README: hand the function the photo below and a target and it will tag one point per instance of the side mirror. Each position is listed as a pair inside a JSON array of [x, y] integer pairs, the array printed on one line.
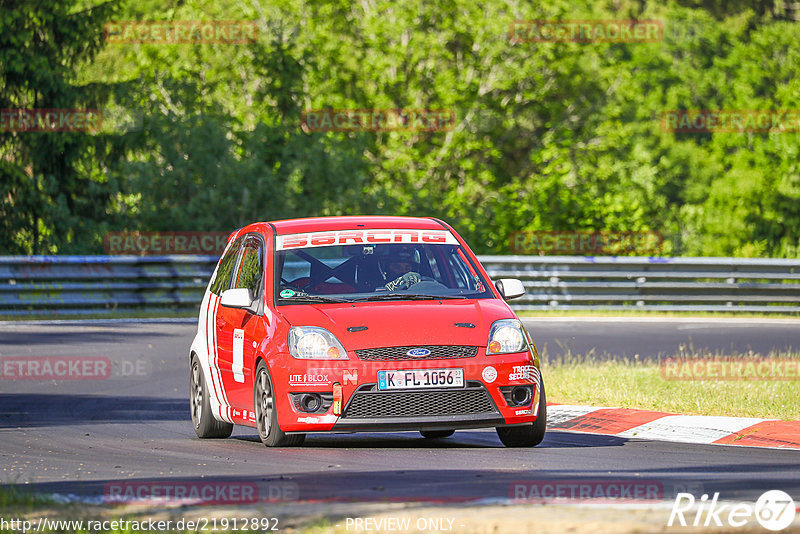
[[510, 288], [241, 297]]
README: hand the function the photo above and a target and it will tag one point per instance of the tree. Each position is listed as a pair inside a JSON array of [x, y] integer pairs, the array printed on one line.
[[52, 197]]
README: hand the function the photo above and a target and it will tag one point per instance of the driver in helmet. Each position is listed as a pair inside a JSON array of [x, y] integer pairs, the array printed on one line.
[[399, 269]]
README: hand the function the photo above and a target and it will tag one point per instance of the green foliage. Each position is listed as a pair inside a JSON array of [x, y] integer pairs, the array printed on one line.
[[547, 136], [51, 193]]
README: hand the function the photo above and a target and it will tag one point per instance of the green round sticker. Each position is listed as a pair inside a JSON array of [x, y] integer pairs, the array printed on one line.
[[287, 293]]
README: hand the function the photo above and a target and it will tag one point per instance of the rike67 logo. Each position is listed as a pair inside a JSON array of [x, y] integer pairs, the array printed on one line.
[[774, 510]]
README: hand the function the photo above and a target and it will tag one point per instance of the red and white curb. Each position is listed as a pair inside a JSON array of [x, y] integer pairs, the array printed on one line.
[[663, 426]]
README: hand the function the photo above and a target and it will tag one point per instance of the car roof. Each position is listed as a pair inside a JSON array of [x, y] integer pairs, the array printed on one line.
[[354, 222]]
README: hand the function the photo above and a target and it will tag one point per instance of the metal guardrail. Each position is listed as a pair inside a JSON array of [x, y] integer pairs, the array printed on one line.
[[107, 285], [666, 284], [69, 285]]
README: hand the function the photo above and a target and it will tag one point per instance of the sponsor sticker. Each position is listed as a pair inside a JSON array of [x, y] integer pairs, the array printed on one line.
[[359, 237], [318, 419], [489, 374], [523, 372], [350, 376], [309, 379], [238, 355]]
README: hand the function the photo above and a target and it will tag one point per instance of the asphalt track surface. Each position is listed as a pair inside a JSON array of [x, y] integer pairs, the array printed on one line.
[[78, 437]]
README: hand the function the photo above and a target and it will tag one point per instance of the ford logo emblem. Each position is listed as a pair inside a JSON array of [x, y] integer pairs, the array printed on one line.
[[418, 353]]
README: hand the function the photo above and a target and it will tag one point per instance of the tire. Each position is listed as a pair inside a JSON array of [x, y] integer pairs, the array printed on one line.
[[205, 426], [435, 434], [529, 435], [267, 415]]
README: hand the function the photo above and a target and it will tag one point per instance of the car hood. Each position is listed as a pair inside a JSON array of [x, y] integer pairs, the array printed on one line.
[[392, 324]]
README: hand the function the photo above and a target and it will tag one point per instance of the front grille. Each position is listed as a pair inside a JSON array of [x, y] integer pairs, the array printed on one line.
[[438, 352], [368, 403]]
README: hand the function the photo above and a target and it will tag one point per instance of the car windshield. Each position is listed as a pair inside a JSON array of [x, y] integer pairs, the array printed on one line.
[[379, 271]]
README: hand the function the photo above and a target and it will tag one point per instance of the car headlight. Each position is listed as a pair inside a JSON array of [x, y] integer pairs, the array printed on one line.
[[314, 343], [506, 336]]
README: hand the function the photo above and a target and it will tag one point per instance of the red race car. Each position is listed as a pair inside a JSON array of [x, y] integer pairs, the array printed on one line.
[[344, 324]]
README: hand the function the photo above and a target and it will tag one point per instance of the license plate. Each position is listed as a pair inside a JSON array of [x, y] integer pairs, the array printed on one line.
[[421, 378]]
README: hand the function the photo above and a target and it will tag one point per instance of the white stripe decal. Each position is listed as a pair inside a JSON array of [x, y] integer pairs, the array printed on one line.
[[209, 351], [215, 371], [226, 403], [211, 325]]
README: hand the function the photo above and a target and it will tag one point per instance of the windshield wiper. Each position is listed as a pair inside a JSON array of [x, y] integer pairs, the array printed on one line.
[[312, 298], [408, 296]]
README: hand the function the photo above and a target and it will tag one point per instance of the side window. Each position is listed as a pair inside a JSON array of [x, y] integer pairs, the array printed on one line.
[[225, 269], [251, 269]]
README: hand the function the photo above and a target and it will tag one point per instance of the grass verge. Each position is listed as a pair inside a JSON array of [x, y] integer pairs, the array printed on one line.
[[642, 385]]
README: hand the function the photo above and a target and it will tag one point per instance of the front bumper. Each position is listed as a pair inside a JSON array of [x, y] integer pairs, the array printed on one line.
[[479, 404], [428, 409]]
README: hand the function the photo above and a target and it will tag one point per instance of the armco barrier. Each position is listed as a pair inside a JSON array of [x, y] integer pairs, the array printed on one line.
[[59, 285], [108, 285], [658, 283]]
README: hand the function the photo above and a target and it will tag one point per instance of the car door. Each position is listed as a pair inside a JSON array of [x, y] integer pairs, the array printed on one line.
[[222, 281], [237, 328]]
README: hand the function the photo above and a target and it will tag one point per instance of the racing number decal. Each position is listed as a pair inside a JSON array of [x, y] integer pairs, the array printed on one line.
[[238, 355]]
